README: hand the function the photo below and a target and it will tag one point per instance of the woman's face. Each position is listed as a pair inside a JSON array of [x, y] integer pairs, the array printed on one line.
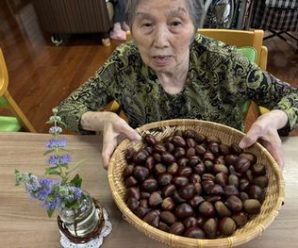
[[163, 31]]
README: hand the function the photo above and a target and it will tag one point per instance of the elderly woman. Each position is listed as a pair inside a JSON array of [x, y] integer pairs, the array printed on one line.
[[169, 71]]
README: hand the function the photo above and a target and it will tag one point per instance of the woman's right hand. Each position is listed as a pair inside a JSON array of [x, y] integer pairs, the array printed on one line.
[[113, 128], [264, 129]]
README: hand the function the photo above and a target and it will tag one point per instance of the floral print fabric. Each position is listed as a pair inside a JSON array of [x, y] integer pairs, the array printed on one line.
[[219, 81]]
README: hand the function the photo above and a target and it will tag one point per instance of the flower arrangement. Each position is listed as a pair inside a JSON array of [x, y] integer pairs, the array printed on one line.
[[64, 191]]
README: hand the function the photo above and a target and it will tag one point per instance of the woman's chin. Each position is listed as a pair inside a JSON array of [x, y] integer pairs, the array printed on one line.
[[164, 67]]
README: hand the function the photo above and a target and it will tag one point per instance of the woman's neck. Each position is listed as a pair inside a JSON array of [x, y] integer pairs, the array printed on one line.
[[173, 82]]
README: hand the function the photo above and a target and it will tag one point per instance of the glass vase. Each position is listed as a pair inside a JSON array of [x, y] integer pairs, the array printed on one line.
[[81, 224]]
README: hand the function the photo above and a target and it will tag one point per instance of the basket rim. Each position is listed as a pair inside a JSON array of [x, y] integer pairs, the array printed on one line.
[[176, 240]]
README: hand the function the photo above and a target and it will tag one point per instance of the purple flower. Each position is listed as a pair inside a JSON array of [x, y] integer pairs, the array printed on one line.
[[51, 203], [40, 189], [55, 160], [75, 192], [55, 130], [51, 192], [32, 184], [46, 187], [56, 143], [70, 193]]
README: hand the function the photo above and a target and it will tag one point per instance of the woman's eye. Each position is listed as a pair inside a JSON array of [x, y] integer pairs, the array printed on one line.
[[175, 23], [146, 24]]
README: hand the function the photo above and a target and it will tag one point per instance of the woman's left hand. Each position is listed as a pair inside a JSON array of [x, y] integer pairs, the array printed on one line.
[[264, 129]]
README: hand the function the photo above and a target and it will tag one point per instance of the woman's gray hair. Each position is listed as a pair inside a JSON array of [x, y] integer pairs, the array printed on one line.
[[195, 8]]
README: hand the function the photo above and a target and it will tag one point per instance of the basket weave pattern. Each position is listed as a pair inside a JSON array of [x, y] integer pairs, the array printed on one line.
[[255, 227]]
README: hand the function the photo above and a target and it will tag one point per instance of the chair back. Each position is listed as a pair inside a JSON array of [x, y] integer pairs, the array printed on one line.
[[241, 38], [19, 120]]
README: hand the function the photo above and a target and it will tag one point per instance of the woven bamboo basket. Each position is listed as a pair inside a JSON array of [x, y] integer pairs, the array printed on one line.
[[255, 227]]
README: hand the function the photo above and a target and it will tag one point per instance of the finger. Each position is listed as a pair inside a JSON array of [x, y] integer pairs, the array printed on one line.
[[109, 145], [253, 134], [107, 152], [128, 131], [248, 140]]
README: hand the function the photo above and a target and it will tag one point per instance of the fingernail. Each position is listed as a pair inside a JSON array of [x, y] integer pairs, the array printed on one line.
[[138, 136], [241, 144]]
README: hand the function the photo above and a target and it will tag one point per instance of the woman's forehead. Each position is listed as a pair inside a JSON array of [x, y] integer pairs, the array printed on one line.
[[169, 7], [157, 4]]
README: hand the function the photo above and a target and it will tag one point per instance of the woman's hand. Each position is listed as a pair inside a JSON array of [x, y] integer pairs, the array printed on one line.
[[264, 129], [113, 128]]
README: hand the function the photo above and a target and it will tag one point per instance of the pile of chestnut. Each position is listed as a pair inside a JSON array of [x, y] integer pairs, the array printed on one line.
[[192, 185]]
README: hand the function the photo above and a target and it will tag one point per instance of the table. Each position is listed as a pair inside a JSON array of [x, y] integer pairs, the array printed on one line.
[[24, 223]]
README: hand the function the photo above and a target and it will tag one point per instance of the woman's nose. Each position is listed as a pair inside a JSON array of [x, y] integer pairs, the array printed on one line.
[[161, 37]]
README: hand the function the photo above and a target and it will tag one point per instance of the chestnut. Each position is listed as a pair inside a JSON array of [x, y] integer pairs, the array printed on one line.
[[179, 141], [168, 204], [167, 158], [195, 232], [227, 226], [222, 209], [192, 185], [140, 156], [190, 152], [210, 228], [206, 209], [252, 206], [187, 192], [168, 217], [190, 222], [155, 199], [177, 228], [150, 185], [140, 173], [234, 203], [190, 142], [184, 210]]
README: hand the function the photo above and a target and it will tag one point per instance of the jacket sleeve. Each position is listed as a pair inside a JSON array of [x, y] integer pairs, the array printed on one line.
[[90, 96]]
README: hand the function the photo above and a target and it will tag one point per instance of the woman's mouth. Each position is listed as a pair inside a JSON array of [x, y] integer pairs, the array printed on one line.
[[161, 60]]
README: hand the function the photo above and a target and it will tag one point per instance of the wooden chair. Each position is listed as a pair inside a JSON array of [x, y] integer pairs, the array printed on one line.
[[18, 121], [241, 38]]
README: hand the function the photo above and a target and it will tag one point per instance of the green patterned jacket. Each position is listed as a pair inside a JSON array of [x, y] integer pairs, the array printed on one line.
[[219, 81]]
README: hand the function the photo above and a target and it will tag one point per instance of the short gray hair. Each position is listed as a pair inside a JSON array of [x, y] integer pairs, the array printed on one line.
[[195, 8]]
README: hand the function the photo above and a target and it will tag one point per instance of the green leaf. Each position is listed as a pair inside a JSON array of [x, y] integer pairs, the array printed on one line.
[[76, 181], [77, 165], [62, 123], [50, 212], [48, 151], [18, 177], [73, 204], [76, 205], [63, 149], [53, 171]]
